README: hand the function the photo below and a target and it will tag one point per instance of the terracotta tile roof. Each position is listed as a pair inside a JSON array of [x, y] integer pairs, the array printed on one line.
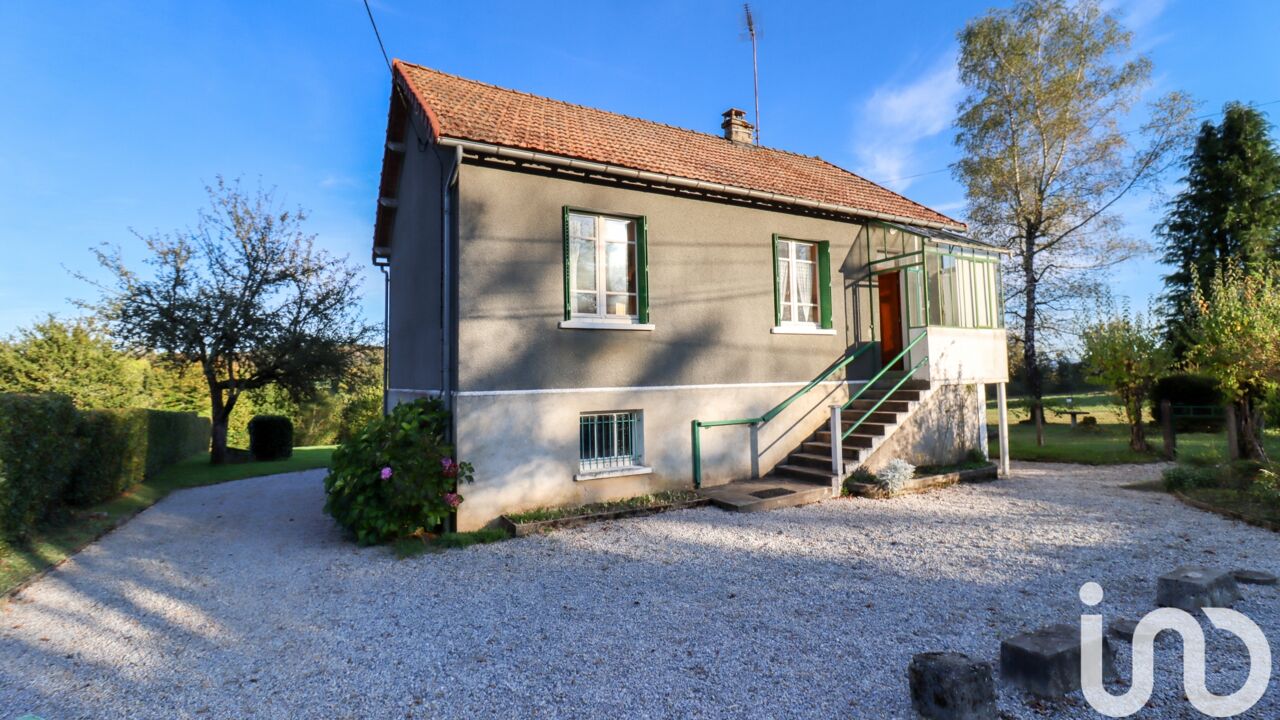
[[469, 110]]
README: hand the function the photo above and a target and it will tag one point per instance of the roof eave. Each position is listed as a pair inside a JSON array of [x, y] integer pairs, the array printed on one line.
[[644, 175]]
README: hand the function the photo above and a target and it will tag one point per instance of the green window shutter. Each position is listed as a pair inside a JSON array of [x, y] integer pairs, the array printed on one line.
[[777, 297], [565, 227], [824, 283], [642, 269]]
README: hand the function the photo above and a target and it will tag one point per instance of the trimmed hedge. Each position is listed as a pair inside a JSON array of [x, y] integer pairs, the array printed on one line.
[[1188, 389], [38, 448], [112, 456], [270, 437], [174, 436], [53, 455]]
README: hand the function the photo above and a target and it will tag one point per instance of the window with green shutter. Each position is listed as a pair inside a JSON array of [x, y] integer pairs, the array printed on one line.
[[801, 284], [606, 270]]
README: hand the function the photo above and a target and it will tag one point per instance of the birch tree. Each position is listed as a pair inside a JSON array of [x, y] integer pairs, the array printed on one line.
[[1045, 159]]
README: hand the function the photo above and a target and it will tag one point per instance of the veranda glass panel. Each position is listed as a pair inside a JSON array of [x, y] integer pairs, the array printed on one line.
[[915, 297], [964, 285], [963, 291], [982, 292]]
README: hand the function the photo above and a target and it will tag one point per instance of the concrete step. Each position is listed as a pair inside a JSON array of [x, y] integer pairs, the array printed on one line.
[[813, 460], [893, 406], [854, 441], [867, 428], [824, 449], [768, 493], [882, 418], [899, 394], [804, 473]]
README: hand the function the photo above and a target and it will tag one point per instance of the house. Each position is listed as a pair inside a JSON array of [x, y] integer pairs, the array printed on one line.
[[613, 306]]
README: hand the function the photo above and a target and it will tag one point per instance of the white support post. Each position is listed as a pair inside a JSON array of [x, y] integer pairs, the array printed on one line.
[[1003, 404], [837, 452], [983, 442]]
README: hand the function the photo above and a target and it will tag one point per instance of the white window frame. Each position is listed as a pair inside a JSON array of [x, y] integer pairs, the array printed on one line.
[[617, 465], [602, 317], [792, 261]]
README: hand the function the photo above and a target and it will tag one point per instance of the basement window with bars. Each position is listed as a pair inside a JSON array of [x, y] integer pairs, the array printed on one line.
[[610, 441]]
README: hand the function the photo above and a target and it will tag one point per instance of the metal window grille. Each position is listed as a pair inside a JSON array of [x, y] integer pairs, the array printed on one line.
[[609, 440]]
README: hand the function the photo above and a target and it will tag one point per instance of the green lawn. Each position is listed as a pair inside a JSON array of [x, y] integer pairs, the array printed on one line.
[[1108, 443], [1236, 501], [67, 535]]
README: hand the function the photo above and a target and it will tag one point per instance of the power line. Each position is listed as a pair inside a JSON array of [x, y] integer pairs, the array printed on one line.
[[369, 11], [1127, 132], [395, 88]]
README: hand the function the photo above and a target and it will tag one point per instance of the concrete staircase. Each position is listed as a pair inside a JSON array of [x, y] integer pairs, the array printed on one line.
[[805, 475]]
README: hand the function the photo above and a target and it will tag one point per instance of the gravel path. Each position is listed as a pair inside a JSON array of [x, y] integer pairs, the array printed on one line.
[[242, 600]]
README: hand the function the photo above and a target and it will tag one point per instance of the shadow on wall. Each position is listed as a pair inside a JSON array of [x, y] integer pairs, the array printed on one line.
[[512, 302], [941, 432]]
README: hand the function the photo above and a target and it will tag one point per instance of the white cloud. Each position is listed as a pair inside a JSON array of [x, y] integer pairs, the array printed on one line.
[[1136, 14], [897, 117], [334, 180]]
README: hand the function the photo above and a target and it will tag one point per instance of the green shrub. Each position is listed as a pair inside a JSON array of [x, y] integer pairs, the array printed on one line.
[[112, 455], [1265, 487], [174, 436], [397, 475], [270, 437], [1188, 389], [895, 474], [861, 476], [38, 447], [358, 413], [1190, 477]]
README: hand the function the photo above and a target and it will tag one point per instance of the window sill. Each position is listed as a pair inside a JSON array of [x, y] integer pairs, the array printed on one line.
[[801, 330], [613, 473], [602, 325]]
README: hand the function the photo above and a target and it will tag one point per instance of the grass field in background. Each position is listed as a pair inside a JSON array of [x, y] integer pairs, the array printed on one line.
[[65, 536], [1105, 444]]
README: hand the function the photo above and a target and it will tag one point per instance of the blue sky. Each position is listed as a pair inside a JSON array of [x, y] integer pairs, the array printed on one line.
[[116, 115]]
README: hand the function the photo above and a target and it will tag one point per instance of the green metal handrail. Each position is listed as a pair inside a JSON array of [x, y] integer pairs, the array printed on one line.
[[874, 378], [697, 425], [887, 395]]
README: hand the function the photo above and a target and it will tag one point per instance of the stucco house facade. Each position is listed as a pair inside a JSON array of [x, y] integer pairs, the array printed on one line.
[[613, 307]]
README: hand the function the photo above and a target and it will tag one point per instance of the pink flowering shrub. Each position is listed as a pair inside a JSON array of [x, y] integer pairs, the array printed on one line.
[[397, 476]]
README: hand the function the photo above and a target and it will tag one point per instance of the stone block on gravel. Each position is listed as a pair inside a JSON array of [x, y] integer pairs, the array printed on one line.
[[1253, 577], [1191, 588], [951, 686], [1046, 662]]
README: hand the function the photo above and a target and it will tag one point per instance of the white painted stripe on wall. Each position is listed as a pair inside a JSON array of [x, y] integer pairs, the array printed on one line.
[[643, 388], [415, 391]]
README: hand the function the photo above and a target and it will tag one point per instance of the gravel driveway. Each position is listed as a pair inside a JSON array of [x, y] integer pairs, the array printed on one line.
[[242, 600]]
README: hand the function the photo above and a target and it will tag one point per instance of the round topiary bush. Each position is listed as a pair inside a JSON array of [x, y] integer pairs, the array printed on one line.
[[270, 437], [397, 475]]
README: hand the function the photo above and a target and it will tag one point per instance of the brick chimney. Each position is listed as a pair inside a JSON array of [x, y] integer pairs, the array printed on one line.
[[736, 127]]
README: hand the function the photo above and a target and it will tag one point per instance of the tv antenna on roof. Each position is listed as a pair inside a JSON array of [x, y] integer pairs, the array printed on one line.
[[755, 69]]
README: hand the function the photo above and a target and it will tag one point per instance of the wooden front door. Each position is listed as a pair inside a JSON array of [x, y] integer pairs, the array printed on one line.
[[891, 342]]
